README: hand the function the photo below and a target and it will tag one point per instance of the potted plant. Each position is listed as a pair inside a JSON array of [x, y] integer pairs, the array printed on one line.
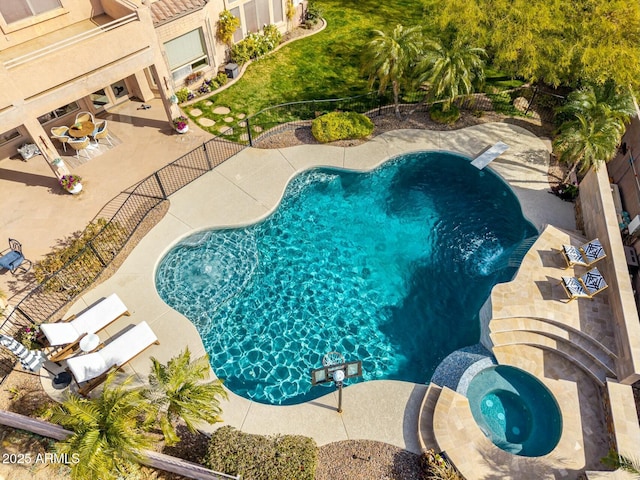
[[71, 183], [30, 336], [180, 124]]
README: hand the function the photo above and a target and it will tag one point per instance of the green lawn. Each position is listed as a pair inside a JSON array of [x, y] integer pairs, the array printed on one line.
[[325, 65]]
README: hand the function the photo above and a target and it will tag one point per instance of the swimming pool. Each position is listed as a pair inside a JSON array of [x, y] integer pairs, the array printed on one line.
[[389, 267], [515, 411]]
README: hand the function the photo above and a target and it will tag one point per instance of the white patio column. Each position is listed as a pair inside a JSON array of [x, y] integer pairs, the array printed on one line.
[[40, 137]]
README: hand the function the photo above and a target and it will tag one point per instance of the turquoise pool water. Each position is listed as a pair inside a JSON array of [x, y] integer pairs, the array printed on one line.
[[515, 411], [388, 267]]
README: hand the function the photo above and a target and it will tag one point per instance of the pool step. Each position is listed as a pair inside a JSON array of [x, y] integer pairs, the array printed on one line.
[[580, 358], [426, 435], [571, 343]]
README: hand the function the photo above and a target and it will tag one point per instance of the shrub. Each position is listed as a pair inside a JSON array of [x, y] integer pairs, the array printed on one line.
[[256, 45], [435, 467], [183, 94], [341, 126], [439, 116], [314, 13], [272, 36], [222, 78], [106, 240], [227, 25], [256, 457]]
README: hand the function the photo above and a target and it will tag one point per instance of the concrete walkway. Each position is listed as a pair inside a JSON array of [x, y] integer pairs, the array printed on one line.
[[247, 188]]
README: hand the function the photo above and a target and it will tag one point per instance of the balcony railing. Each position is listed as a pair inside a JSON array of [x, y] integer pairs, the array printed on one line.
[[67, 42]]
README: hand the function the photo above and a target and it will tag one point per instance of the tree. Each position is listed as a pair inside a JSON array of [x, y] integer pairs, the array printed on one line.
[[177, 391], [451, 68], [559, 43], [587, 142], [600, 100], [390, 59], [109, 431]]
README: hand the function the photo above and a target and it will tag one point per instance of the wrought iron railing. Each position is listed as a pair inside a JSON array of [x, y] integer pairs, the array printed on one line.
[[120, 219]]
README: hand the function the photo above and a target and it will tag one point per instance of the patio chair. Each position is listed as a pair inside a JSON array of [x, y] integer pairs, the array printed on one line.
[[101, 131], [92, 369], [60, 134], [79, 144], [585, 256], [85, 117], [12, 258], [70, 331], [585, 286]]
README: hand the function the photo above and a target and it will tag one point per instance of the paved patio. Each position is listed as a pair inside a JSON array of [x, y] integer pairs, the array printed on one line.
[[37, 212], [248, 187]]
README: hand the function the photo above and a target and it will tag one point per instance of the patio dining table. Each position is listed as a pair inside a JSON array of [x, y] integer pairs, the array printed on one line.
[[81, 129]]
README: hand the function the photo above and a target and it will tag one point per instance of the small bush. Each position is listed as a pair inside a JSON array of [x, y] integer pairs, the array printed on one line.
[[222, 78], [435, 467], [256, 457], [183, 94], [256, 45], [341, 126], [440, 116], [106, 239], [314, 13]]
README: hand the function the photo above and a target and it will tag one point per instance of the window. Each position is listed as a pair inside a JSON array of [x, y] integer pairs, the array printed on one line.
[[58, 112], [237, 35], [15, 10], [256, 15], [8, 136], [186, 53], [277, 11]]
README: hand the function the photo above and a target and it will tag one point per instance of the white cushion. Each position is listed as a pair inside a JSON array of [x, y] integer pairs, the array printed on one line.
[[59, 333], [90, 321], [117, 352]]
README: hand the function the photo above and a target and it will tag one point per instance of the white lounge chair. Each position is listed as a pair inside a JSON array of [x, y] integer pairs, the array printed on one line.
[[71, 331], [92, 368], [586, 255], [586, 286]]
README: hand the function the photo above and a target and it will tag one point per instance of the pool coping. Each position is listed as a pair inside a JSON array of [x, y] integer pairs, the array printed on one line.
[[247, 188]]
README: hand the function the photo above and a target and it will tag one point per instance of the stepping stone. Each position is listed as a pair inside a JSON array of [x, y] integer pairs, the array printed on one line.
[[257, 128], [225, 130], [244, 137], [208, 103], [242, 124], [196, 112], [206, 122], [222, 110], [240, 116], [228, 119]]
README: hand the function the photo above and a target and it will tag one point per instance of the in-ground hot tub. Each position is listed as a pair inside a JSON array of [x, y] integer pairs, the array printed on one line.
[[515, 411]]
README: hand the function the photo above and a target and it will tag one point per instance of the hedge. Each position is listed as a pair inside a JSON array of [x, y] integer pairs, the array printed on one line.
[[341, 126], [256, 457]]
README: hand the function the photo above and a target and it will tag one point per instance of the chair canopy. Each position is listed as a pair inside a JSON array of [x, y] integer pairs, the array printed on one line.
[[31, 360]]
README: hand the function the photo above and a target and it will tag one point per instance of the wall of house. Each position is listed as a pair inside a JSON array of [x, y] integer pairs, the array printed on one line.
[[71, 12], [600, 221], [204, 18]]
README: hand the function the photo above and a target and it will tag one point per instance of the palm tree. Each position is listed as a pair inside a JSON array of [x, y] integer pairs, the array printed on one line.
[[451, 69], [177, 390], [588, 142], [109, 431], [600, 100], [390, 59]]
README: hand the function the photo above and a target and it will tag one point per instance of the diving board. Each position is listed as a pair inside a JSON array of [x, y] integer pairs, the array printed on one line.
[[490, 155]]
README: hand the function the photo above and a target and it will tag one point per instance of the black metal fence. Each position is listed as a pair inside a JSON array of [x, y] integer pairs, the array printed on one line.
[[124, 215]]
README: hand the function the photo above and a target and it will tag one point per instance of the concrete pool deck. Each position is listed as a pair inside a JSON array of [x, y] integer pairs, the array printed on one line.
[[247, 188]]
